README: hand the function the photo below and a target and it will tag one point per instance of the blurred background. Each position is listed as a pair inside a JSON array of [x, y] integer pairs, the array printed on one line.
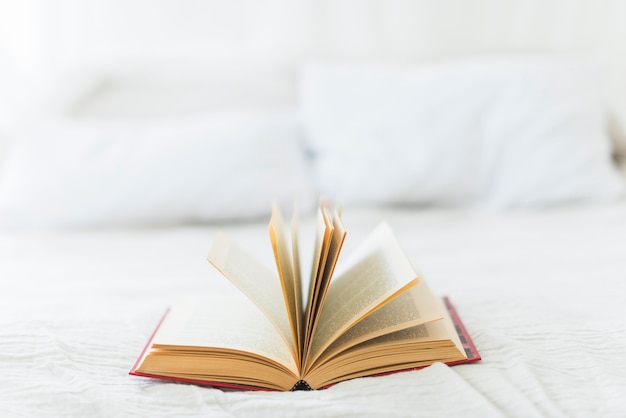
[[56, 41], [145, 59]]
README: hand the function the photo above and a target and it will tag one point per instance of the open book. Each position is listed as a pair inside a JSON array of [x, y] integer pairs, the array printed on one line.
[[375, 316]]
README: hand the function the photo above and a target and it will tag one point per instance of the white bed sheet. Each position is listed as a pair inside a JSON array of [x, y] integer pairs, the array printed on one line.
[[541, 293]]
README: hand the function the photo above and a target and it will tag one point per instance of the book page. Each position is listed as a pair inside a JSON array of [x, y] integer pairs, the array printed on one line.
[[336, 242], [338, 235], [427, 333], [295, 252], [408, 348], [376, 273], [416, 306], [284, 259], [323, 237], [255, 280], [222, 321]]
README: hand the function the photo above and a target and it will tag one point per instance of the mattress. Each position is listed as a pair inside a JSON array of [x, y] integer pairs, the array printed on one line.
[[541, 293]]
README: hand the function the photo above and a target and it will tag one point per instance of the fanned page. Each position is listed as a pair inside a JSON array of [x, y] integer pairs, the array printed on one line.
[[338, 235], [412, 347], [295, 253], [286, 265], [375, 274], [255, 280], [323, 236], [409, 346], [415, 307]]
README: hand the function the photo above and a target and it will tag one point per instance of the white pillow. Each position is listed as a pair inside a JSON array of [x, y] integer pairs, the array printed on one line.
[[188, 87], [494, 132], [211, 167]]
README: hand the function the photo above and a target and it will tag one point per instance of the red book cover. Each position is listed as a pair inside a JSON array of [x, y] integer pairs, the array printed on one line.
[[466, 341]]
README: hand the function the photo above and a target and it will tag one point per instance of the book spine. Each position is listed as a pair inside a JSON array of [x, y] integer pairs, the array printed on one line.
[[301, 385]]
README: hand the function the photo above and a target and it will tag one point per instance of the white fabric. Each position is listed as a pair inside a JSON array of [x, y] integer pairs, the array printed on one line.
[[217, 166], [498, 132], [540, 293]]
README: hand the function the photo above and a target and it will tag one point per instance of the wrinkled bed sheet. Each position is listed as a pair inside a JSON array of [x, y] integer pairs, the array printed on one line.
[[542, 293]]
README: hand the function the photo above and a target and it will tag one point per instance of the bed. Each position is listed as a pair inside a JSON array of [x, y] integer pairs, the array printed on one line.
[[486, 134], [541, 294]]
